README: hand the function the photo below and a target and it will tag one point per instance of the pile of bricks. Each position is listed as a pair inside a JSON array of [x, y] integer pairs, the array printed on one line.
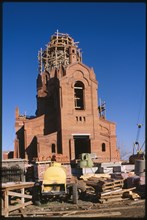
[[60, 158], [53, 157]]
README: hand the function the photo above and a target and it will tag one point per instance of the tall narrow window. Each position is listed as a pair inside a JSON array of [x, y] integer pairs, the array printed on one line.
[[53, 148], [79, 95], [103, 147]]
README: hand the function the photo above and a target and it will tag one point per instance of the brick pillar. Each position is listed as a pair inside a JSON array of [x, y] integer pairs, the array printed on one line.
[[25, 144], [110, 149], [16, 149], [72, 149], [38, 149]]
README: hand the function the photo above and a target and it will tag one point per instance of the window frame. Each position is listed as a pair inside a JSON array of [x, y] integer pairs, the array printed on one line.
[[79, 95]]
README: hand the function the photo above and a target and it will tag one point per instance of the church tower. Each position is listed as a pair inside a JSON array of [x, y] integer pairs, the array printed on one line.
[[68, 120]]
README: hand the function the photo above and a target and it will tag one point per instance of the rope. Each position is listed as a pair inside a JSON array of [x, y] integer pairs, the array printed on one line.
[[142, 145]]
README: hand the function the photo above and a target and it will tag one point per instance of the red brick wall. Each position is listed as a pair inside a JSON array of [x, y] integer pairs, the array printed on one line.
[[61, 120]]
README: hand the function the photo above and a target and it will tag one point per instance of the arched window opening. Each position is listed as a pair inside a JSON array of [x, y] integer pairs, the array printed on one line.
[[79, 95], [103, 147], [53, 148]]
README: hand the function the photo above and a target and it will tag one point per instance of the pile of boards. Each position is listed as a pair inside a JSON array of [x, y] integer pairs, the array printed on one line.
[[108, 189]]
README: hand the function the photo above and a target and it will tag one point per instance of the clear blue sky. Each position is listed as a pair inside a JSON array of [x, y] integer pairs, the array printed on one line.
[[112, 37]]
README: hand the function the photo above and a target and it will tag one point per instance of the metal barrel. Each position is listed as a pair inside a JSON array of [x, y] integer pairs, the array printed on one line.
[[139, 167]]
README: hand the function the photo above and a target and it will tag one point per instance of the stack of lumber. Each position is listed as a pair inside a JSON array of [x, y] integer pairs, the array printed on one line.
[[105, 184], [108, 189], [118, 195], [86, 177], [115, 195]]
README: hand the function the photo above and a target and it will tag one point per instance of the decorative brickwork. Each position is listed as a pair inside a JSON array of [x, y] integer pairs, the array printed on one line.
[[68, 121]]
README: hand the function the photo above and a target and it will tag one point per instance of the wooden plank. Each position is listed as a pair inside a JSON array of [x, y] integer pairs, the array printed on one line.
[[110, 200], [106, 185], [6, 203], [19, 206], [22, 198], [119, 191], [111, 187], [112, 192], [89, 215], [10, 193], [70, 213], [111, 181], [102, 177], [13, 186], [96, 176], [137, 202], [111, 196], [129, 189]]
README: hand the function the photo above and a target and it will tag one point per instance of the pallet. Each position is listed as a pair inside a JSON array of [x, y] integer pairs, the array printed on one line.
[[109, 190], [104, 185], [96, 176], [119, 194]]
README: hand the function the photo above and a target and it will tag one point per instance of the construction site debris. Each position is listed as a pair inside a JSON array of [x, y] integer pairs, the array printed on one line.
[[105, 184], [97, 175], [107, 189], [119, 194], [53, 157], [127, 208], [131, 195]]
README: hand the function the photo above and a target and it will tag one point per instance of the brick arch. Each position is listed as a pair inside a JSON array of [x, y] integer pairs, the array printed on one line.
[[79, 65], [83, 80], [45, 77], [78, 74]]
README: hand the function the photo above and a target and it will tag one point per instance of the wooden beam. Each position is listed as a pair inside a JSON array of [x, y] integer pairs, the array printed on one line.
[[19, 195], [19, 206]]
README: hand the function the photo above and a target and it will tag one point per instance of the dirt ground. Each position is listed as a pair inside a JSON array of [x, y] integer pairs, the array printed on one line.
[[126, 208]]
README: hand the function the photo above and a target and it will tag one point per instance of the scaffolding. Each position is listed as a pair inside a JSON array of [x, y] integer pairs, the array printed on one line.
[[57, 52]]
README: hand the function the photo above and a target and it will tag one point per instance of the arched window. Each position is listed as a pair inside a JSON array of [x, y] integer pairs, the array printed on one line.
[[103, 147], [79, 95], [53, 148]]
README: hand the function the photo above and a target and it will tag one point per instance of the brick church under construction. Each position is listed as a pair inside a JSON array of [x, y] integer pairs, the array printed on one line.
[[68, 120]]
